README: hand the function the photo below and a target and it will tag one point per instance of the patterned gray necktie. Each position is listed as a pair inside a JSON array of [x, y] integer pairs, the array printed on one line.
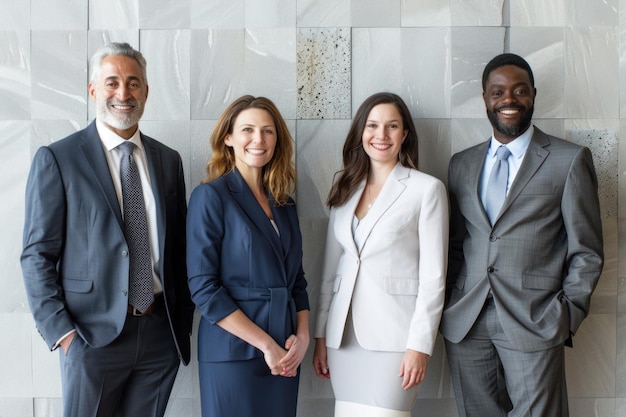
[[141, 294], [496, 187]]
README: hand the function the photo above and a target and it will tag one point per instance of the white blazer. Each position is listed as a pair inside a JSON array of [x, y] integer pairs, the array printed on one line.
[[392, 272]]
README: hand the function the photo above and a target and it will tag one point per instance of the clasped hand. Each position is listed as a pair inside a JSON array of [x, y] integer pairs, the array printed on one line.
[[285, 361]]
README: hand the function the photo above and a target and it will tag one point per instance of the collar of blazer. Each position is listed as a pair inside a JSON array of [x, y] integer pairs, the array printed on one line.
[[95, 158], [392, 189], [246, 200]]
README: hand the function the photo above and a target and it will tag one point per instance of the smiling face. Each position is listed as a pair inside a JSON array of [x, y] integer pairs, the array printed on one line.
[[383, 134], [120, 93], [253, 139], [509, 99]]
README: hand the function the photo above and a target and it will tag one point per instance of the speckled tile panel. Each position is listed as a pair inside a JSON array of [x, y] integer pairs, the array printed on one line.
[[601, 137], [323, 73]]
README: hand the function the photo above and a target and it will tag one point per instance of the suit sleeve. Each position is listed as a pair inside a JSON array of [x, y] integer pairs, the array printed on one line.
[[43, 242], [205, 232], [581, 218], [433, 253]]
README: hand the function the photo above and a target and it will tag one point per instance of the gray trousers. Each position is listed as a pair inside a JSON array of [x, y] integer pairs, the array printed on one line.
[[493, 379]]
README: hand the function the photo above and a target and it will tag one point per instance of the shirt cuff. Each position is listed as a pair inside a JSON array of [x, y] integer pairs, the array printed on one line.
[[56, 345]]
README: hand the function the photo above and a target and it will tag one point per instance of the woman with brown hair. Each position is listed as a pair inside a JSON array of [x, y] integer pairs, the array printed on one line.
[[244, 261], [383, 279]]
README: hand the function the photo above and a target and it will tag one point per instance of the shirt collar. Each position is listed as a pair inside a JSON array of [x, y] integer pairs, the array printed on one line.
[[111, 140], [517, 147]]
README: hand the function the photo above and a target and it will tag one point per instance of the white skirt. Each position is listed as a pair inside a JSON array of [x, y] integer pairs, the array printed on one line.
[[365, 382]]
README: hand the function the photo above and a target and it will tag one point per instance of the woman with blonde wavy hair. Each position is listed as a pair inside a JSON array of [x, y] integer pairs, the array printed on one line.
[[244, 261]]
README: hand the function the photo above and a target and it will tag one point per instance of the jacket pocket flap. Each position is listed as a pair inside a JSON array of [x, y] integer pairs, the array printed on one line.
[[77, 285], [542, 282], [401, 286], [337, 284]]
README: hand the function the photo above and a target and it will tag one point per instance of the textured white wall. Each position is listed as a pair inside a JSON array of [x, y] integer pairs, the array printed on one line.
[[317, 59]]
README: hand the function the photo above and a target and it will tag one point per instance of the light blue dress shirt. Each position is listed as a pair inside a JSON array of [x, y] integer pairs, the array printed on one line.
[[518, 149]]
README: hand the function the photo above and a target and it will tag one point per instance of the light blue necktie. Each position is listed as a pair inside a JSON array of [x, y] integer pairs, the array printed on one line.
[[141, 294], [496, 186]]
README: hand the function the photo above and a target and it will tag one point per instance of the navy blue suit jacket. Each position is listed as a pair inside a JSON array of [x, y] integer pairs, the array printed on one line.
[[75, 258], [236, 260]]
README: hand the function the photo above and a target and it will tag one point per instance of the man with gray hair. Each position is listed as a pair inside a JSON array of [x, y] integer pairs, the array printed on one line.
[[104, 251]]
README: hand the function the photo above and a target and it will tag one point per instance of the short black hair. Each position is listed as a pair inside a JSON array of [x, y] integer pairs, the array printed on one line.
[[507, 59]]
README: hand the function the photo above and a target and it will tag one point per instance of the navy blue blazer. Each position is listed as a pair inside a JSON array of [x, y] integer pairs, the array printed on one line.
[[236, 260], [75, 257]]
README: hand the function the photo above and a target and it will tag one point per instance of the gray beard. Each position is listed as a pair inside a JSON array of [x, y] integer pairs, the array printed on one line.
[[120, 122]]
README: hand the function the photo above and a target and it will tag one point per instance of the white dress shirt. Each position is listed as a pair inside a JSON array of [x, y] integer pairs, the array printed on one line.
[[110, 142]]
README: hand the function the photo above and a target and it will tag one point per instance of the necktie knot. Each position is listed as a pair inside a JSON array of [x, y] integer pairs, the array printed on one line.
[[127, 148], [502, 153]]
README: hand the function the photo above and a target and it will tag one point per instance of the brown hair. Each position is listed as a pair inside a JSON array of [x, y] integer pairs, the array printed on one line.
[[356, 162], [279, 174]]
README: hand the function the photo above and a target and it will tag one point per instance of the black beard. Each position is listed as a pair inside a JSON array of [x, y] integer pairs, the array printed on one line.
[[514, 130]]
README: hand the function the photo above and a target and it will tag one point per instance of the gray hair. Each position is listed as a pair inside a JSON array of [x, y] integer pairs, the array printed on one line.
[[115, 49]]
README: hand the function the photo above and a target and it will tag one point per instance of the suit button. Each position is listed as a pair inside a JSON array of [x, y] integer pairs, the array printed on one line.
[[493, 238], [490, 269]]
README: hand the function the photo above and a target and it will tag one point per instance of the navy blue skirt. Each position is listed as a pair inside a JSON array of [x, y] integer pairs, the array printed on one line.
[[246, 389]]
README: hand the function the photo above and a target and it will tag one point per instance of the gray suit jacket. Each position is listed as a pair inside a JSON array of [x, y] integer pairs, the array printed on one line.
[[543, 256], [75, 258]]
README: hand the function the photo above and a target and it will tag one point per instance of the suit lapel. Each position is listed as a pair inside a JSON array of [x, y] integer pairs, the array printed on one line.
[[392, 189], [344, 217], [282, 222], [473, 169], [244, 197], [94, 155]]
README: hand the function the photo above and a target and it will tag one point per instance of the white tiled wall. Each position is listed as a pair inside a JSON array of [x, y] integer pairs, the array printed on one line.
[[317, 59]]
